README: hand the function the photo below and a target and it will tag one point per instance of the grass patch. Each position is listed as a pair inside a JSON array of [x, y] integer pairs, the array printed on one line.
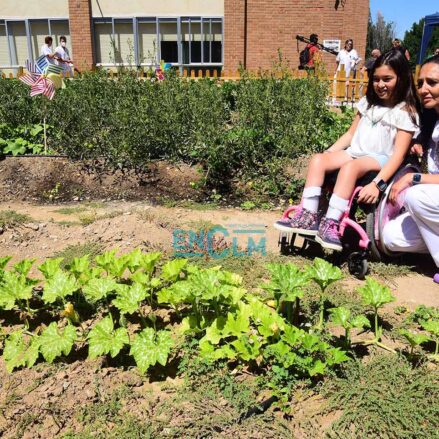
[[87, 218], [67, 223], [108, 419], [386, 398], [388, 271], [217, 403], [94, 204], [78, 250], [11, 218], [70, 210], [111, 214]]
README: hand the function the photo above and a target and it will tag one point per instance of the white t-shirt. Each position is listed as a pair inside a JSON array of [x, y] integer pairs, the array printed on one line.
[[433, 151], [376, 131], [348, 59], [46, 50], [63, 53]]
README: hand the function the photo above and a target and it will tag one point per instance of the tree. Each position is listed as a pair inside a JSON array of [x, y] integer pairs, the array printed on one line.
[[379, 34], [413, 38]]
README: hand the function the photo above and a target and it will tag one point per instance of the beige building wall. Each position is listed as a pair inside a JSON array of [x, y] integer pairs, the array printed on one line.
[[162, 8], [10, 9]]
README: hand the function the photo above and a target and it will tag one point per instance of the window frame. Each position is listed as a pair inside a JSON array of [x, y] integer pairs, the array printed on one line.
[[157, 20]]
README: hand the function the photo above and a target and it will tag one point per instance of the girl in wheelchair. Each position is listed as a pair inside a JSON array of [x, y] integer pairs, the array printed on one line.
[[377, 140]]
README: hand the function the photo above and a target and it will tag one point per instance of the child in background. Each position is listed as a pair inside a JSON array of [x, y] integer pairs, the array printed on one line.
[[377, 140]]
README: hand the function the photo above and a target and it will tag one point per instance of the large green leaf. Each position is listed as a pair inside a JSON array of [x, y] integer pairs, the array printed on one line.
[[149, 261], [375, 294], [129, 297], [80, 265], [414, 338], [98, 288], [286, 281], [431, 326], [4, 261], [172, 269], [104, 339], [13, 287], [237, 324], [23, 267], [60, 285], [341, 316], [19, 352], [55, 341], [106, 259], [323, 273], [50, 266], [149, 348]]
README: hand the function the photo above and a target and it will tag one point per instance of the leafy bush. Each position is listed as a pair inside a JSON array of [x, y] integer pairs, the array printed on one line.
[[250, 129]]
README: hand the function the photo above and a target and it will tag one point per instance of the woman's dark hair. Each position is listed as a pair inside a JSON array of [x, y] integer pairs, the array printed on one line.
[[48, 40], [348, 41], [434, 59], [405, 89]]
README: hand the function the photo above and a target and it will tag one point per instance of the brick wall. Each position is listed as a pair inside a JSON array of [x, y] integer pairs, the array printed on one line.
[[81, 33], [273, 25]]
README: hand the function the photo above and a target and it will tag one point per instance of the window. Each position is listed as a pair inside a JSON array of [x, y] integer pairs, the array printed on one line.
[[124, 42], [22, 40], [147, 34], [18, 42], [144, 41], [216, 42], [4, 50], [168, 41], [39, 31], [103, 40]]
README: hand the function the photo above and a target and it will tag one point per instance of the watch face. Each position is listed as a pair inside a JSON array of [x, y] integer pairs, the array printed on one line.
[[416, 178], [382, 185]]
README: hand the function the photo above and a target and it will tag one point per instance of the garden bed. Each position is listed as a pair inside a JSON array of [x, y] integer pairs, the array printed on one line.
[[78, 397]]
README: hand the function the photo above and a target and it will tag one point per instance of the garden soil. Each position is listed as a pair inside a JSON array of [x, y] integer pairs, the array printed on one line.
[[116, 212]]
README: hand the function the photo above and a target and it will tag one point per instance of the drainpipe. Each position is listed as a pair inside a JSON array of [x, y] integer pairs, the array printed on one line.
[[245, 34]]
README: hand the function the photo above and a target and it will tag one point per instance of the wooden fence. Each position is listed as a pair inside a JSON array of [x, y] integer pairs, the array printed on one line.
[[342, 90]]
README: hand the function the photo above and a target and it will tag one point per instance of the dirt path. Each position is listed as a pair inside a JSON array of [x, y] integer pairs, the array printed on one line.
[[127, 225]]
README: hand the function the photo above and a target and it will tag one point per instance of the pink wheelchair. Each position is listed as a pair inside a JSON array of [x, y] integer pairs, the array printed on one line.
[[361, 240]]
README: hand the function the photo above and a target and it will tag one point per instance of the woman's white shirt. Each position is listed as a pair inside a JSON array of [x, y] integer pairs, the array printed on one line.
[[348, 59], [377, 129], [46, 50], [433, 151], [63, 53]]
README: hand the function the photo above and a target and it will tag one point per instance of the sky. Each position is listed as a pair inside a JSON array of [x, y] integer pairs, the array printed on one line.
[[403, 12]]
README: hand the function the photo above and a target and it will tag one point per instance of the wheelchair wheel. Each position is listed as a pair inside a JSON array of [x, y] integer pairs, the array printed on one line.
[[370, 230], [357, 264], [284, 245]]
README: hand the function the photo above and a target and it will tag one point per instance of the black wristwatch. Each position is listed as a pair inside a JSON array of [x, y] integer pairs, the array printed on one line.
[[416, 179], [380, 184]]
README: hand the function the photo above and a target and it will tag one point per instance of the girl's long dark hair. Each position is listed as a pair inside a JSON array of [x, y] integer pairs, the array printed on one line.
[[405, 87], [428, 117]]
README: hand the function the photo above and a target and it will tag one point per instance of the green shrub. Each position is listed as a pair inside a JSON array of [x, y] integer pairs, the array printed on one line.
[[248, 129]]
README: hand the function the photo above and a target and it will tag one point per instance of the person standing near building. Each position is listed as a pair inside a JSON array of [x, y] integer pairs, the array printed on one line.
[[370, 62], [398, 46], [348, 57], [46, 50], [63, 56], [313, 51]]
